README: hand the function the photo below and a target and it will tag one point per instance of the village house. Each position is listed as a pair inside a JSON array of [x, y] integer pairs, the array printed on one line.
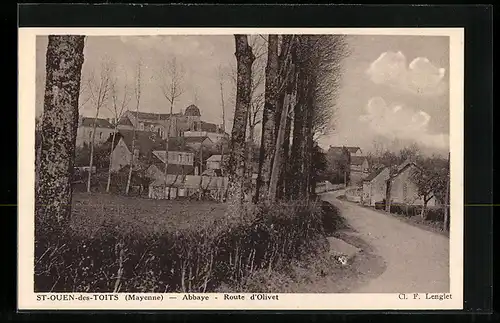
[[149, 149], [358, 169], [187, 123], [215, 161], [355, 151], [375, 186], [403, 188], [103, 130]]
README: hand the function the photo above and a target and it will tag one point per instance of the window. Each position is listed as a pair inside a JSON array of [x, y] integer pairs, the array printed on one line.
[[90, 134], [100, 135]]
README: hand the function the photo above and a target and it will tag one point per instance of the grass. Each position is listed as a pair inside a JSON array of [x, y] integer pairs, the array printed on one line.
[[132, 244], [140, 215]]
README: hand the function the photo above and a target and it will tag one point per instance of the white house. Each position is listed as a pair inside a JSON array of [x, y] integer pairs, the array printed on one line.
[[103, 130]]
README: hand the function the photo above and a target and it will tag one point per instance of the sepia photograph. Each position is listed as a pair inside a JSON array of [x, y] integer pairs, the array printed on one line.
[[237, 164]]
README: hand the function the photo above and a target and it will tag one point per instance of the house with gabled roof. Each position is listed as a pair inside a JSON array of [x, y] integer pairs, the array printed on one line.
[[103, 130], [358, 169], [375, 186], [187, 124], [404, 190], [148, 148]]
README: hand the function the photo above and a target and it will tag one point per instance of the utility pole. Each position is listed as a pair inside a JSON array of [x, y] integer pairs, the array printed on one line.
[[446, 218]]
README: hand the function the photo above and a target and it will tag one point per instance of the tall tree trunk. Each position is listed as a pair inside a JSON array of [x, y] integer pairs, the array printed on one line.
[[244, 59], [283, 138], [111, 159], [249, 161], [285, 169], [92, 143], [278, 156], [268, 137], [297, 157], [59, 127], [308, 132]]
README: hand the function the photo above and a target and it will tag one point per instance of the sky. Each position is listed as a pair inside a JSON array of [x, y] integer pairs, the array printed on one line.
[[393, 88]]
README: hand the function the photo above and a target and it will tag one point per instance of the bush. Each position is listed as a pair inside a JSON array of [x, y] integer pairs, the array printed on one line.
[[195, 259]]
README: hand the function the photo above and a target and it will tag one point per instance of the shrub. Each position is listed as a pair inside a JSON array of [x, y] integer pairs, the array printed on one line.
[[194, 259]]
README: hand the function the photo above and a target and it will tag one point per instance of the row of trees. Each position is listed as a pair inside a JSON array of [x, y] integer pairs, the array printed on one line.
[[301, 77], [302, 74]]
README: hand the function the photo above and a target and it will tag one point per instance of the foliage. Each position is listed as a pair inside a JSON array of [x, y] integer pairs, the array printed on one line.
[[101, 155], [432, 177], [193, 259]]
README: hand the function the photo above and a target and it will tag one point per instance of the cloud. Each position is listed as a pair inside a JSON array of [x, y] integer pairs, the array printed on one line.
[[419, 77], [395, 121]]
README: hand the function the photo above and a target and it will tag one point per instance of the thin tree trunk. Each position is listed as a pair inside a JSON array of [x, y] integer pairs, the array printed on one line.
[[223, 128], [244, 58], [166, 146], [446, 217], [111, 159], [92, 141], [388, 195], [129, 179], [59, 127], [268, 137]]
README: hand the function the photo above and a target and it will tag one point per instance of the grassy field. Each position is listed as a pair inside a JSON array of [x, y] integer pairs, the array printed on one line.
[[95, 211]]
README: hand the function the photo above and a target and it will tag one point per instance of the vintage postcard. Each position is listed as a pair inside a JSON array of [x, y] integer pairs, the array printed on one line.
[[255, 169]]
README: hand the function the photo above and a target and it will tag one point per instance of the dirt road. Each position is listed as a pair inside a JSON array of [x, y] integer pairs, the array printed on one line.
[[415, 260]]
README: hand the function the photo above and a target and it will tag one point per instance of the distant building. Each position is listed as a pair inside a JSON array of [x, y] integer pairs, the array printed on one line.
[[355, 151], [215, 161], [186, 124], [359, 169], [103, 130], [375, 186], [148, 149], [403, 188]]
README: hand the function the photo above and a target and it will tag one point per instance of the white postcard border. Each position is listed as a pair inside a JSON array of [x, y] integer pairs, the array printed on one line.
[[27, 299]]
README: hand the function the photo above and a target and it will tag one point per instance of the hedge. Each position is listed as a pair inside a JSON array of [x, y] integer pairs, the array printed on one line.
[[191, 260]]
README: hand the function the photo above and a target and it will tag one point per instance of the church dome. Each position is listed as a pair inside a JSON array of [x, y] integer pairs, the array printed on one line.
[[192, 111]]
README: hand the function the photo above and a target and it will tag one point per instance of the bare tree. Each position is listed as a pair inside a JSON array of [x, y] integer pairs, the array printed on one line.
[[245, 58], [59, 126], [137, 93], [170, 81], [220, 74], [99, 90], [119, 103]]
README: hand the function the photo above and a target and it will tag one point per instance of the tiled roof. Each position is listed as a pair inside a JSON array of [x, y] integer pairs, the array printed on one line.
[[100, 123], [192, 110], [146, 141], [152, 116], [374, 174], [195, 139], [357, 160], [125, 121], [209, 127], [353, 149]]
